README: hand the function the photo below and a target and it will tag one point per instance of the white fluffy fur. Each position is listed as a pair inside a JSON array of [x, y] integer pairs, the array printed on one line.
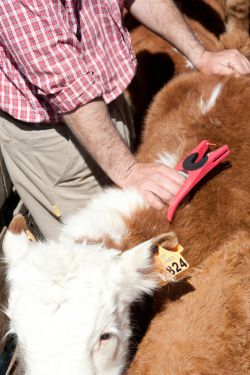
[[189, 64], [170, 160], [104, 215], [207, 106], [63, 296]]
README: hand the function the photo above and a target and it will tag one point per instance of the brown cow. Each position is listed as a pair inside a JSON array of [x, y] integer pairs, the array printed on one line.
[[197, 335], [206, 331], [237, 14]]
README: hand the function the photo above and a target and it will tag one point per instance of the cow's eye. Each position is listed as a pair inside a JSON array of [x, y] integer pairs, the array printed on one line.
[[106, 336]]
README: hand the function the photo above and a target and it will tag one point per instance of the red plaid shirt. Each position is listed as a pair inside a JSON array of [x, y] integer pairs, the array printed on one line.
[[56, 55]]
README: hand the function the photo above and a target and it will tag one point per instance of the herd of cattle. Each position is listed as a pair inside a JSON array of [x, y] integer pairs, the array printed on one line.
[[69, 301]]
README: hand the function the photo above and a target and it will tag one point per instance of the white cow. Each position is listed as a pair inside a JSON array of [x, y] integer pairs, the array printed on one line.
[[69, 300]]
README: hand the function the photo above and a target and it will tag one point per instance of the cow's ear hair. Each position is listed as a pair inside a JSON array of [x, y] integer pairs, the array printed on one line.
[[139, 266], [16, 241]]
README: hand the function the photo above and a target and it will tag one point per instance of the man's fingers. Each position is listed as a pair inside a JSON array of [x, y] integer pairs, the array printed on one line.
[[153, 200], [170, 185], [165, 184], [224, 63], [164, 194], [235, 60], [157, 182], [246, 63], [240, 65], [172, 174], [224, 70]]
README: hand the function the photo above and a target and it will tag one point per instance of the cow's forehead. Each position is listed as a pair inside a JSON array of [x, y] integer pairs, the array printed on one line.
[[91, 315], [60, 299], [66, 280], [61, 263]]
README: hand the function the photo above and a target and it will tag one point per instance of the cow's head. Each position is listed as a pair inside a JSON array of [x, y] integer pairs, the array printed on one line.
[[69, 302]]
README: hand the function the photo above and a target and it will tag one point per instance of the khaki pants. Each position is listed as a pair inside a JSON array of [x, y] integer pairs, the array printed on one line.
[[52, 174]]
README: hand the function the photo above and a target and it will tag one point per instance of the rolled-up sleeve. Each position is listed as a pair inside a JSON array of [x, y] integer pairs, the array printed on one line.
[[43, 47]]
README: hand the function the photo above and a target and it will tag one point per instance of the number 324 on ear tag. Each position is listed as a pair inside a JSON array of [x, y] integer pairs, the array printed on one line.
[[172, 261]]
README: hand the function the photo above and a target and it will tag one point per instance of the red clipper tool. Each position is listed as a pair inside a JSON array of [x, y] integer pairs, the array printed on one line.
[[196, 165]]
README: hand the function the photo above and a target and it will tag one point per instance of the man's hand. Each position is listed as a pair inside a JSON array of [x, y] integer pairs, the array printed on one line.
[[224, 62], [95, 131], [164, 18], [157, 182]]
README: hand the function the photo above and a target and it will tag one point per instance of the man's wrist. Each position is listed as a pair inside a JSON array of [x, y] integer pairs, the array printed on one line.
[[121, 176], [196, 55], [202, 62]]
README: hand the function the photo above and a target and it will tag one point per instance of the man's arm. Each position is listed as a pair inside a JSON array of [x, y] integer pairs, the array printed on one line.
[[56, 67], [94, 129], [164, 18]]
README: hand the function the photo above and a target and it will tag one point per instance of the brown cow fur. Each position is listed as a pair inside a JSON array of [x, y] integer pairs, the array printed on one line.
[[237, 14], [207, 330], [219, 206], [176, 124], [158, 62]]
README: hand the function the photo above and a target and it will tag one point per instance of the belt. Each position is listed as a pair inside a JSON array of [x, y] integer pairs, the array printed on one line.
[[30, 125]]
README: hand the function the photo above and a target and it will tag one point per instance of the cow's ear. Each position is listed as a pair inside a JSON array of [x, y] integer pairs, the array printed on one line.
[[16, 240], [139, 266], [17, 224]]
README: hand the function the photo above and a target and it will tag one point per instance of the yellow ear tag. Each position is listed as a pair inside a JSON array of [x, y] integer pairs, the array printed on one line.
[[172, 261]]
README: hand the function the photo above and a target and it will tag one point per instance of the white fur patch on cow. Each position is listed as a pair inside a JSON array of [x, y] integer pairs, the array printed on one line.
[[209, 104], [188, 64], [104, 215], [168, 159]]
